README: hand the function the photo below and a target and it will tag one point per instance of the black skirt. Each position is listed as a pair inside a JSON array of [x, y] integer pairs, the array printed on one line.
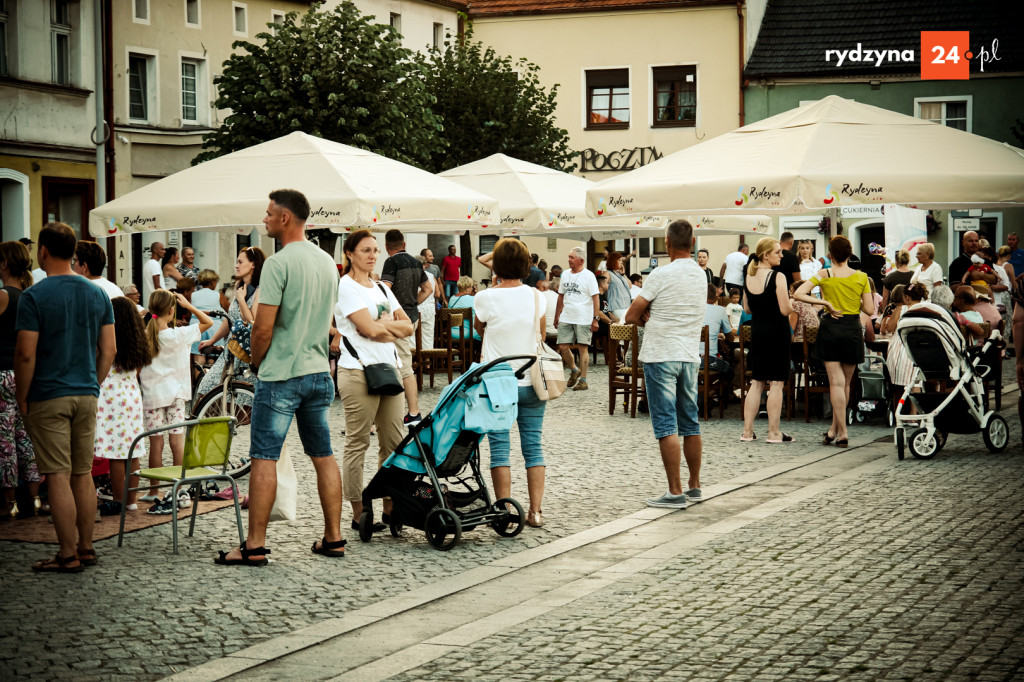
[[840, 340]]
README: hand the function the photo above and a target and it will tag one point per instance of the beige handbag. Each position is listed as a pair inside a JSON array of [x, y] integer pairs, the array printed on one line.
[[548, 373]]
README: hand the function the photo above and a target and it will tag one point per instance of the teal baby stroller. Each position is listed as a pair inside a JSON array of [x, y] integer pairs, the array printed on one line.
[[426, 476]]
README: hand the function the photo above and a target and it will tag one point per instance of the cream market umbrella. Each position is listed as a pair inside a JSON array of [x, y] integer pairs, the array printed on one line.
[[828, 154], [347, 188], [541, 201], [533, 199]]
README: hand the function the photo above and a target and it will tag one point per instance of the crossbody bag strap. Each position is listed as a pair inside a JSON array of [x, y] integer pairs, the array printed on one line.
[[536, 321]]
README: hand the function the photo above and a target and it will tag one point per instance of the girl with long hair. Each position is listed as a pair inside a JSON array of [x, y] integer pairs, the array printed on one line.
[[17, 457], [166, 382], [245, 298], [119, 414]]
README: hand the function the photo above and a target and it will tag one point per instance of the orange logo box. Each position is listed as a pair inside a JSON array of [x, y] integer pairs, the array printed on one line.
[[945, 55]]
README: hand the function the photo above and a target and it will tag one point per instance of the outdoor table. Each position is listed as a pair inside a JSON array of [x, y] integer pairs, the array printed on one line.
[[880, 344]]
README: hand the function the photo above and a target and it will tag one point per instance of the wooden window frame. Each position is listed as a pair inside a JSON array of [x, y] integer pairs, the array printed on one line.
[[612, 79], [672, 75]]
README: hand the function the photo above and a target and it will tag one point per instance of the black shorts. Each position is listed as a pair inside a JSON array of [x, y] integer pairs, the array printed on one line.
[[840, 340]]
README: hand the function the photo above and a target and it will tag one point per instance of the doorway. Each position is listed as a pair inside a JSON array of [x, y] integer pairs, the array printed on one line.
[[871, 264], [69, 201]]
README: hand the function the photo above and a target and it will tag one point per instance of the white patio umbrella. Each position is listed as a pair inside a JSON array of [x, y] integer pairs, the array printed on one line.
[[534, 199], [828, 154], [347, 188]]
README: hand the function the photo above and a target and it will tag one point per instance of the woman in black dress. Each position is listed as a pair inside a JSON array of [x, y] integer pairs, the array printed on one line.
[[767, 301]]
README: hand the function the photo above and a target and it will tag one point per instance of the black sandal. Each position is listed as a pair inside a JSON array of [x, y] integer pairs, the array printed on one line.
[[842, 443], [58, 564], [331, 549], [88, 557], [827, 439], [223, 559]]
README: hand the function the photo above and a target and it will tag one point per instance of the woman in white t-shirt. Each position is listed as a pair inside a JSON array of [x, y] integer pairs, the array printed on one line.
[[930, 273], [506, 317], [167, 382], [370, 320]]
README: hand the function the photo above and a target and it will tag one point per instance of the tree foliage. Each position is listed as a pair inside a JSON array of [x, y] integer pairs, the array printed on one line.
[[491, 104], [333, 74]]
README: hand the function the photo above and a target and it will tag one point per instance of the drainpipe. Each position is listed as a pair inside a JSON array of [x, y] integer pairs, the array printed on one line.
[[743, 40], [100, 132]]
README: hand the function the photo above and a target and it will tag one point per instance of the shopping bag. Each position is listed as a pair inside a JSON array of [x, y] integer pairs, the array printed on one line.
[[287, 489]]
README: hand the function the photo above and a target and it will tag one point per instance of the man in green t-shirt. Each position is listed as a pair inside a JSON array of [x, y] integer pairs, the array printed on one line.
[[289, 345]]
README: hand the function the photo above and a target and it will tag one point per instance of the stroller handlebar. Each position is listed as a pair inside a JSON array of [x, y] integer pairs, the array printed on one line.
[[519, 372]]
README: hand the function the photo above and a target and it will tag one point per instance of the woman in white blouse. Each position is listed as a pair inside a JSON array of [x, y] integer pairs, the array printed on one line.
[[930, 273]]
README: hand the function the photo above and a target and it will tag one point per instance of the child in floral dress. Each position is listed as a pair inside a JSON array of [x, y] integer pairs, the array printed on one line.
[[119, 418]]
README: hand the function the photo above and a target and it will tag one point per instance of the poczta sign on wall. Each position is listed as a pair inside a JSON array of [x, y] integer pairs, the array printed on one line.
[[592, 160]]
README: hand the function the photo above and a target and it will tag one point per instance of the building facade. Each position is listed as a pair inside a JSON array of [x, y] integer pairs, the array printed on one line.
[[47, 115], [637, 80], [795, 60]]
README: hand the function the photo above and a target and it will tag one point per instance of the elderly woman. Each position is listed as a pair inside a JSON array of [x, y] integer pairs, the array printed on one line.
[[370, 320], [465, 299], [509, 316], [619, 299], [929, 274], [767, 300], [248, 268], [206, 298], [428, 309], [845, 294]]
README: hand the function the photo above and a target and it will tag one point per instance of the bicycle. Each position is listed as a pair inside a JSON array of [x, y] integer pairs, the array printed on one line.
[[232, 397]]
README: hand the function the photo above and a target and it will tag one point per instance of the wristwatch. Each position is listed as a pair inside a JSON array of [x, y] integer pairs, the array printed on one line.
[[596, 318]]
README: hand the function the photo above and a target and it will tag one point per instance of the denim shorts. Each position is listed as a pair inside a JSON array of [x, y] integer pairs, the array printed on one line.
[[672, 397], [307, 399]]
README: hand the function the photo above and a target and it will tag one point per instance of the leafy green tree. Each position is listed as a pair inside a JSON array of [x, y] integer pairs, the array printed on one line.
[[332, 74], [491, 104], [335, 75]]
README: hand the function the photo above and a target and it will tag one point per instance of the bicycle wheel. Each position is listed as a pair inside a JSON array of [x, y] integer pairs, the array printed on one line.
[[239, 405]]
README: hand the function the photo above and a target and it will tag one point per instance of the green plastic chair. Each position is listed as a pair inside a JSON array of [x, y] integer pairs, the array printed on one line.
[[207, 448]]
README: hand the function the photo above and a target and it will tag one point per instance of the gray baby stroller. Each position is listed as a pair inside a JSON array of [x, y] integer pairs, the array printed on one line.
[[939, 353], [873, 400]]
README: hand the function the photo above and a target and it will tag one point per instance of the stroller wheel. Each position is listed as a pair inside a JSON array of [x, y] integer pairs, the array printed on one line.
[[923, 446], [892, 417], [365, 527], [941, 436], [395, 524], [900, 444], [443, 529], [996, 434], [511, 523]]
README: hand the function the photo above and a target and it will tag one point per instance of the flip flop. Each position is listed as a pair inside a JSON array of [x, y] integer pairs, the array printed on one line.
[[58, 564], [331, 549], [785, 439], [223, 559], [744, 439]]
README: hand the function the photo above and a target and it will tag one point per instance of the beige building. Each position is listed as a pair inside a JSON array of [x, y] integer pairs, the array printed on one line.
[[165, 56], [47, 115], [637, 80]]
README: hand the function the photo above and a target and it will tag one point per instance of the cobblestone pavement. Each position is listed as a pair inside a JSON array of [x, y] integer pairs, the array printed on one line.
[[144, 613]]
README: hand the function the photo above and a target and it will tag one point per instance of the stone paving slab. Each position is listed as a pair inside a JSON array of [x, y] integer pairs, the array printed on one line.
[[600, 469]]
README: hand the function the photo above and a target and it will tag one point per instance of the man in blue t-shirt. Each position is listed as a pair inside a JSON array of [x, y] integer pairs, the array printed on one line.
[[65, 349]]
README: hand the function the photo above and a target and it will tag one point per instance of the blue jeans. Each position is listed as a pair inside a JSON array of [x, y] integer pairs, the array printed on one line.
[[672, 397], [307, 399], [531, 423], [451, 288]]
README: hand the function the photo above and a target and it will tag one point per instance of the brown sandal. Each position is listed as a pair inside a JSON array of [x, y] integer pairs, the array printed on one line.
[[88, 557], [58, 564]]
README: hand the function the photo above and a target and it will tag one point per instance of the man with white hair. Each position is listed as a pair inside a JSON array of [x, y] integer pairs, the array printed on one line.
[[576, 316]]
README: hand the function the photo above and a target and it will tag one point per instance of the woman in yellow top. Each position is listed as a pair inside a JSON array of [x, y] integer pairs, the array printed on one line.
[[845, 293]]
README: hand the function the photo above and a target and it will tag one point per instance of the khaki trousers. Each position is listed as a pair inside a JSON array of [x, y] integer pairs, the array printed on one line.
[[362, 411]]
